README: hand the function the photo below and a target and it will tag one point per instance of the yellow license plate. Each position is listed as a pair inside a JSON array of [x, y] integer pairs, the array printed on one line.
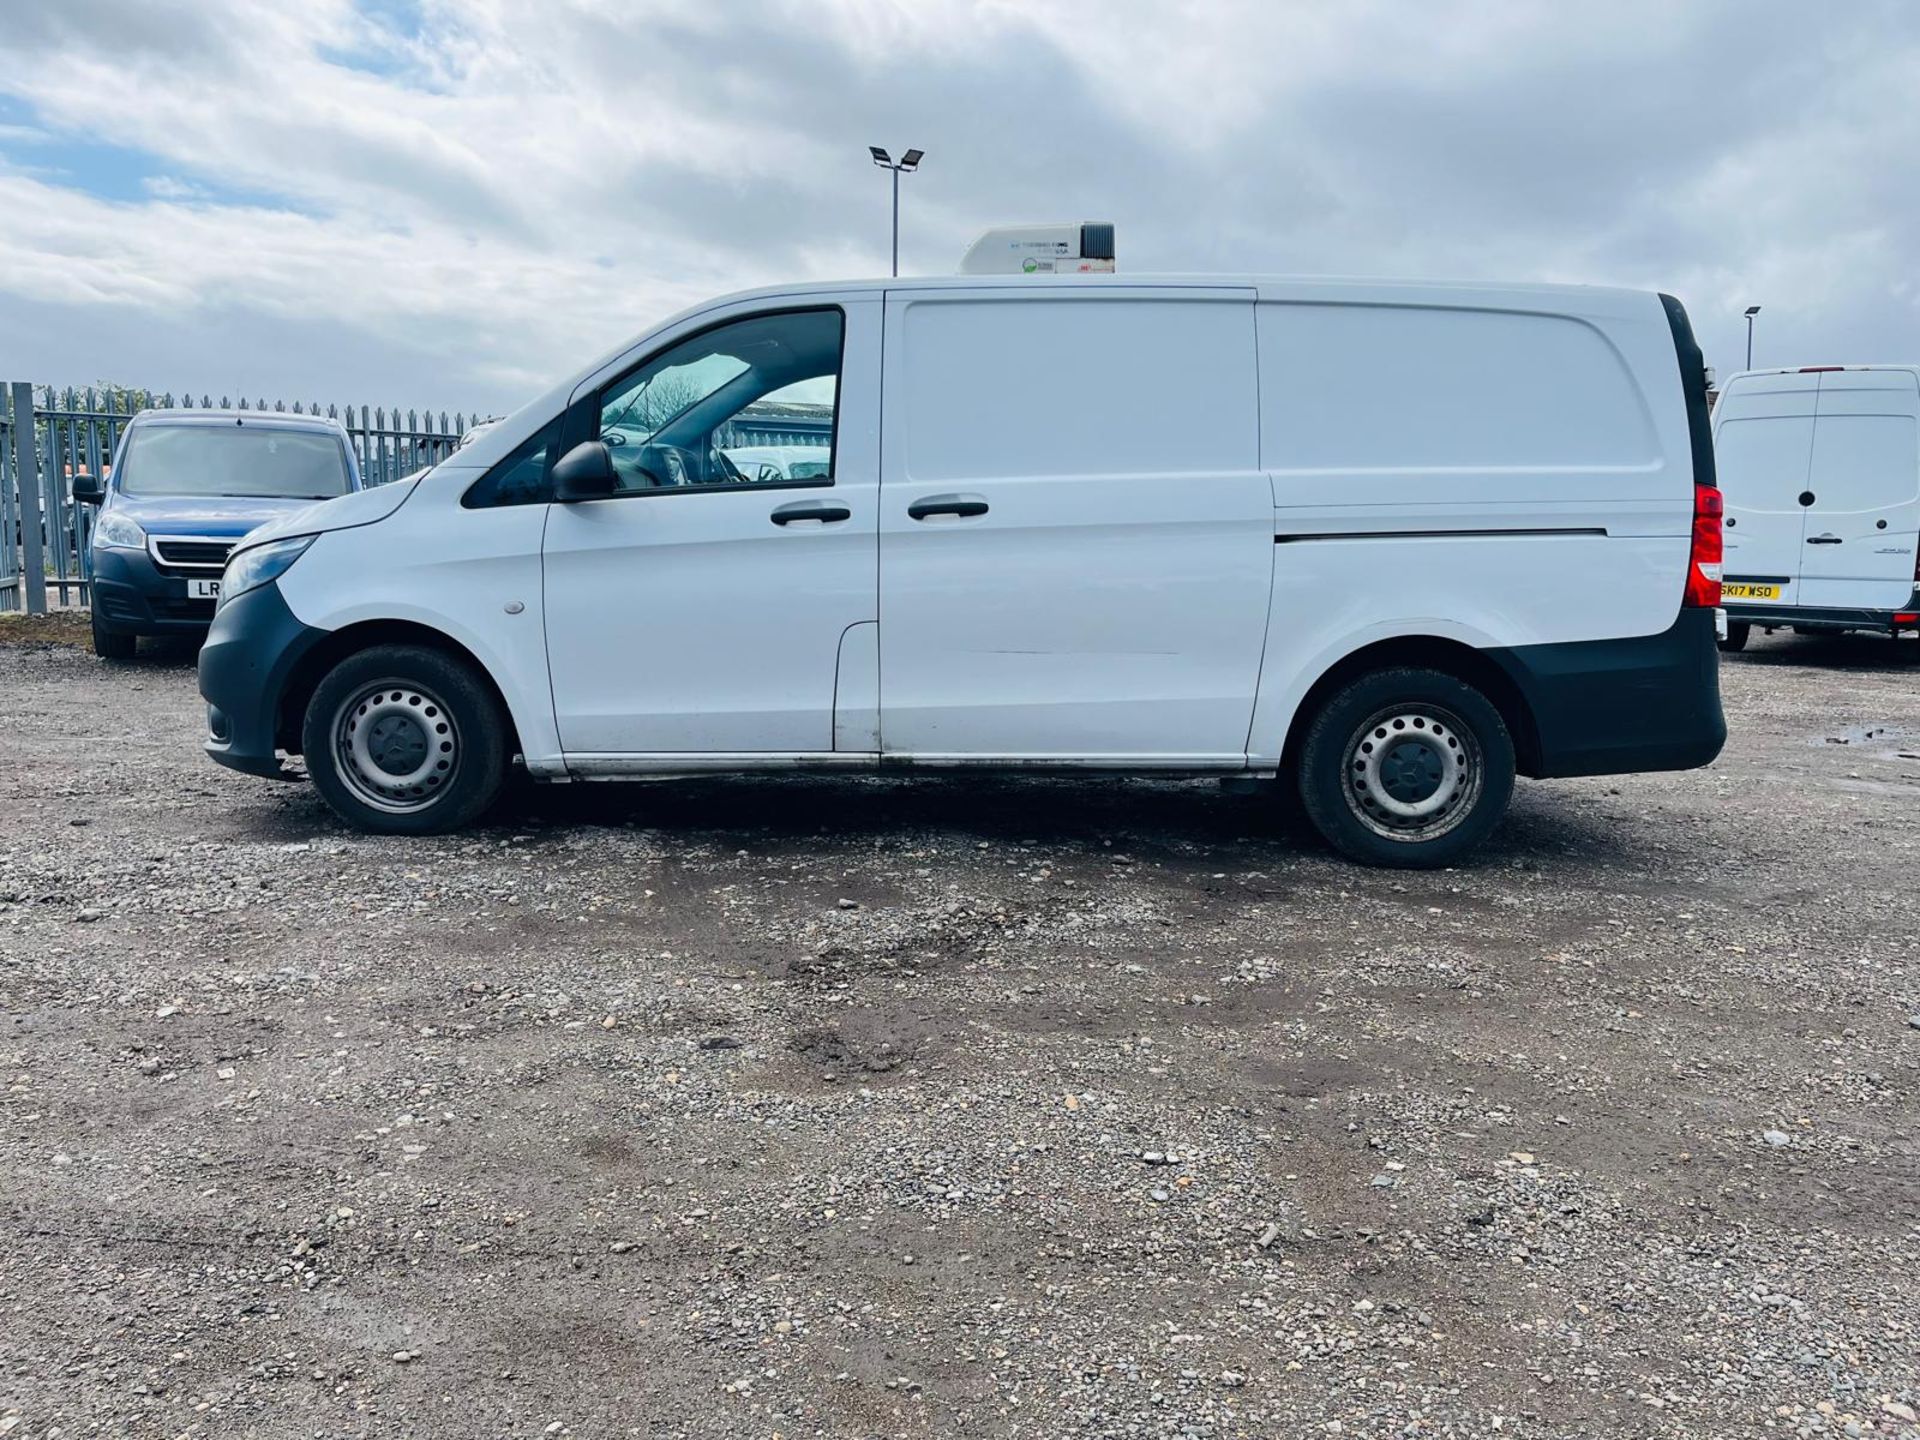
[[1736, 590]]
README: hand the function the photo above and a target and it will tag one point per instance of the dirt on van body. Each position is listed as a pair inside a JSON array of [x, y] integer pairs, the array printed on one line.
[[958, 1108]]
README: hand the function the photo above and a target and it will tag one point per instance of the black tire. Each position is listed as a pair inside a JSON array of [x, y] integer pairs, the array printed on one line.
[[1738, 633], [110, 644], [405, 740], [1429, 732]]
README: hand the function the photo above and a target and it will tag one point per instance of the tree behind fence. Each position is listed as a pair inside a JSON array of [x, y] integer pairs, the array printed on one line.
[[78, 430]]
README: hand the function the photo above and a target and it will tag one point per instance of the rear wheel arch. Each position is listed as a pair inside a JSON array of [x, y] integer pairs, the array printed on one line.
[[314, 666], [1421, 652]]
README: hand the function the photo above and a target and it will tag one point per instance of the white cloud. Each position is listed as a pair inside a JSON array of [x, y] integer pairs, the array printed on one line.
[[468, 209]]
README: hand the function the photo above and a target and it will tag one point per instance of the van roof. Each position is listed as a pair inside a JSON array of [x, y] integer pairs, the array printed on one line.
[[1132, 279], [265, 419], [1816, 370]]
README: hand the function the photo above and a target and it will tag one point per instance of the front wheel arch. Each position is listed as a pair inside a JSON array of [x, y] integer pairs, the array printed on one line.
[[339, 644]]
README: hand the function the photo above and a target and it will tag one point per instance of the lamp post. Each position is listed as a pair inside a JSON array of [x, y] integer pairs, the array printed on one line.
[[1752, 310], [906, 164]]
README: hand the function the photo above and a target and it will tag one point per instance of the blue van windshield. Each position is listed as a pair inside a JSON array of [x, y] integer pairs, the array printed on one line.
[[239, 460]]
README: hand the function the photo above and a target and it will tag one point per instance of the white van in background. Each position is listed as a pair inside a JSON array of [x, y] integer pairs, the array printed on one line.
[[779, 462], [1394, 543], [1821, 470]]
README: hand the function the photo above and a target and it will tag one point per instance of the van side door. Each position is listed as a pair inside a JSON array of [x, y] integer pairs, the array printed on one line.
[[705, 606], [1076, 539]]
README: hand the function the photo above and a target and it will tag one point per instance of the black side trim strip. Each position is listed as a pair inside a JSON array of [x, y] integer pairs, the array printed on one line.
[[1434, 534], [1758, 579]]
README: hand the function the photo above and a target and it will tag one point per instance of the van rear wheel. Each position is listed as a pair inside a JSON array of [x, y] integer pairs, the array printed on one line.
[[1406, 768], [1738, 633], [405, 740]]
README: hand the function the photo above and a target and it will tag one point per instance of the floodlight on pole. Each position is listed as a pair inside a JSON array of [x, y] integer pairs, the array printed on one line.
[[906, 164], [1752, 310]]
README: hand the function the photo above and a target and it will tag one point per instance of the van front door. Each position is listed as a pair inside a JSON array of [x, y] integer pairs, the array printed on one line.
[[1865, 480], [1763, 445], [702, 606], [1076, 538]]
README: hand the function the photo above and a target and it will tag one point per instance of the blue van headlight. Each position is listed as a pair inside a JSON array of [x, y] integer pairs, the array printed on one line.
[[258, 565], [116, 532]]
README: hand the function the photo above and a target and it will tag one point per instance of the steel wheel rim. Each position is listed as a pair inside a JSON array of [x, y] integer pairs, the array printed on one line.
[[1413, 772], [395, 746]]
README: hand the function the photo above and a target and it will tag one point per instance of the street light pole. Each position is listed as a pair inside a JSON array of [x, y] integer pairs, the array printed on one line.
[[1752, 310], [906, 164]]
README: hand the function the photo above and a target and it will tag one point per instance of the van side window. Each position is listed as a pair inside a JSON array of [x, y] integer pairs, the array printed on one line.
[[749, 402], [521, 478]]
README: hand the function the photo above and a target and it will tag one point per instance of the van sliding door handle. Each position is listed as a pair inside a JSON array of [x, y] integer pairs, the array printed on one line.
[[964, 506], [811, 510], [1825, 540]]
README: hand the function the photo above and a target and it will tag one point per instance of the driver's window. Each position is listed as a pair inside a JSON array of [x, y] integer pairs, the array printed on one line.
[[750, 402]]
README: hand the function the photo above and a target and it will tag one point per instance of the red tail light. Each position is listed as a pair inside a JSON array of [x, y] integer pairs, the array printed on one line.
[[1703, 565]]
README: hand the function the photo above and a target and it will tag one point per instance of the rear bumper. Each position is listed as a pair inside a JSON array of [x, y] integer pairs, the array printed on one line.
[[250, 652], [131, 594], [1615, 707], [1823, 617]]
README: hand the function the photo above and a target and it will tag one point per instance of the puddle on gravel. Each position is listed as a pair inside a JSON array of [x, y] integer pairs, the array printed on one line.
[[1876, 742]]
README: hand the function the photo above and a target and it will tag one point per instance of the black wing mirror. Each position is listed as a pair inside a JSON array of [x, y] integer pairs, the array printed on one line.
[[87, 489], [584, 473]]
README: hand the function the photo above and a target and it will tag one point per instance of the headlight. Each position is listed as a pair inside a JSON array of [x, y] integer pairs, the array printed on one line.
[[251, 568], [117, 532]]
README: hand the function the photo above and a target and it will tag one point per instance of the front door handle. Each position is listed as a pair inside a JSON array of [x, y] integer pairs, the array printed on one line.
[[964, 506], [1824, 540], [826, 514]]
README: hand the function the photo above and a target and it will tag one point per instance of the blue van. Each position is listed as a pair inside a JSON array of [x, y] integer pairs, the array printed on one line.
[[185, 487]]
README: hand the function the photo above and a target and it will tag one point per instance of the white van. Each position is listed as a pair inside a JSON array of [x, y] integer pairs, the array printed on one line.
[[1821, 467], [1394, 542], [778, 462]]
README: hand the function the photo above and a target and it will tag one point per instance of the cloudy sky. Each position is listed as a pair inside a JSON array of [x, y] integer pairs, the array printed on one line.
[[449, 203]]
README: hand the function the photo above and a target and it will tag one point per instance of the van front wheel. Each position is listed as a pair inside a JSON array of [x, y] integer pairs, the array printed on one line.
[[1406, 768], [111, 644], [405, 740]]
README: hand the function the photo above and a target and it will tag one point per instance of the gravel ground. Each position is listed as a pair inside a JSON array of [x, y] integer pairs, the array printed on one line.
[[862, 1108]]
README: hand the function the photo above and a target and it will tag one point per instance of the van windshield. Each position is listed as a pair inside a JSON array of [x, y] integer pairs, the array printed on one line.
[[255, 461]]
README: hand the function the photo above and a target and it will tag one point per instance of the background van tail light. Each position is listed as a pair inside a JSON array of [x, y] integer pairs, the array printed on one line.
[[1703, 564]]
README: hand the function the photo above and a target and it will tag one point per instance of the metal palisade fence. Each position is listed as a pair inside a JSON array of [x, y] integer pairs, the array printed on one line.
[[48, 436]]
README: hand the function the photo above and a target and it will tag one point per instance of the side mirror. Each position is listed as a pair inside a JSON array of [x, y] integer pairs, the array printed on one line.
[[87, 489], [584, 473]]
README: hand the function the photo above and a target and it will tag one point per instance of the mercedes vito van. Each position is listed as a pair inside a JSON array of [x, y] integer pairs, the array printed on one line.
[[1822, 473], [1393, 542]]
